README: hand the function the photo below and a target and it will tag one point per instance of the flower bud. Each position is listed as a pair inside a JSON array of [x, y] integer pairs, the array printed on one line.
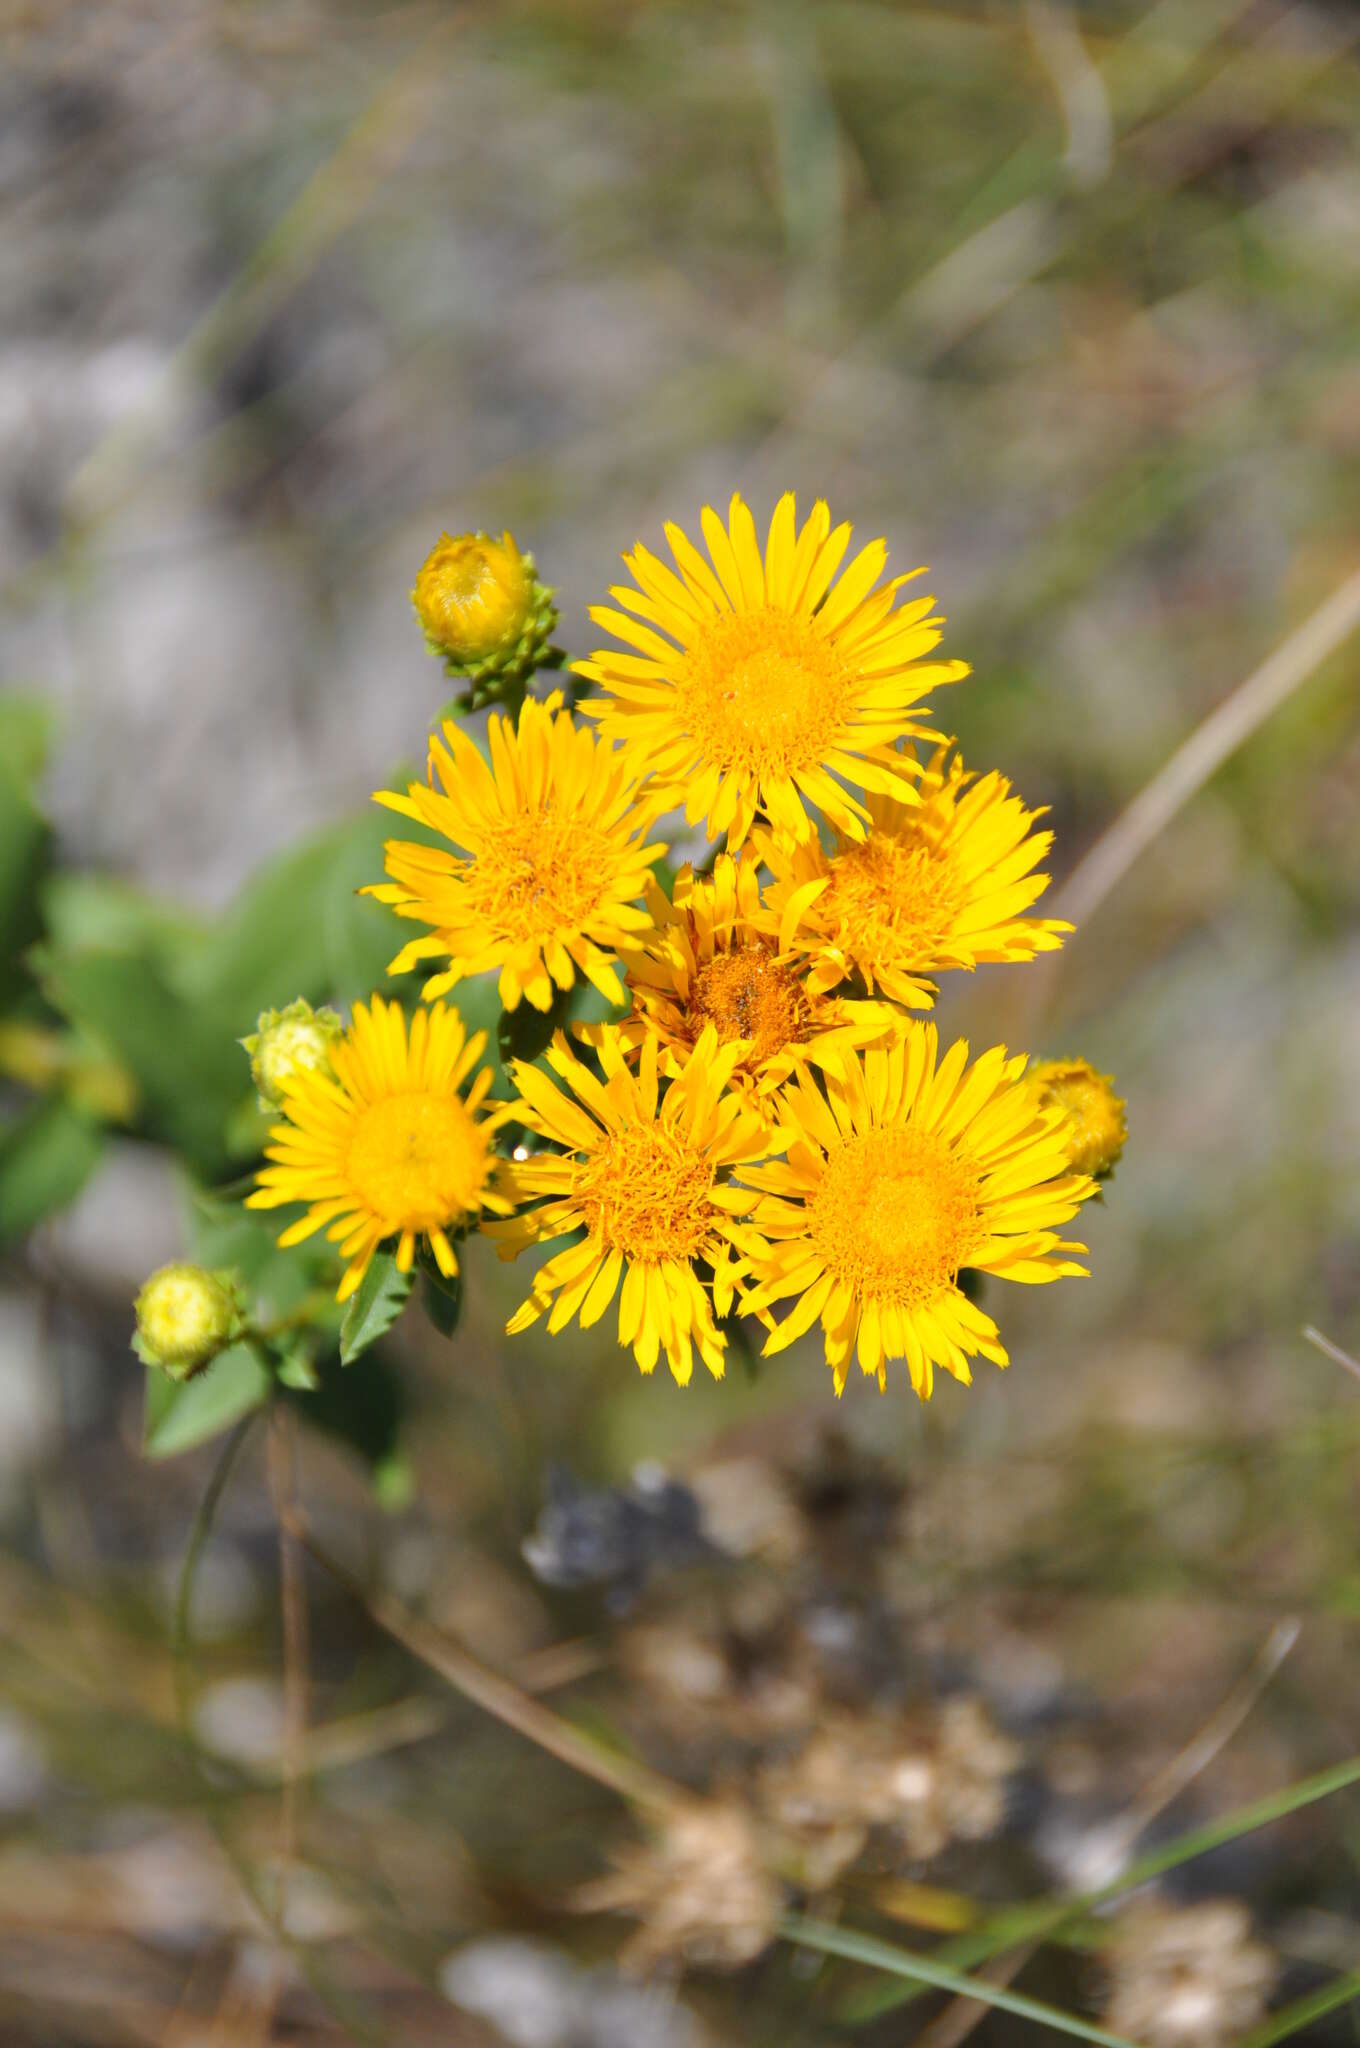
[[1096, 1128], [285, 1042], [185, 1316], [484, 612]]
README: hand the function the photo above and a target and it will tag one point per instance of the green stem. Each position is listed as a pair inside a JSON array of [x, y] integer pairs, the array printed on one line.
[[899, 1962], [193, 1551]]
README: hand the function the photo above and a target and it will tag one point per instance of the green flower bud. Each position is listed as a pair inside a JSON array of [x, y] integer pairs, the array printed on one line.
[[485, 614], [185, 1316], [286, 1042]]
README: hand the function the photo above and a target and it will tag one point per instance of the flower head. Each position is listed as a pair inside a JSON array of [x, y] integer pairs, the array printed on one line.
[[483, 610], [700, 1889], [185, 1316], [284, 1041], [1096, 1129], [759, 681], [939, 883], [644, 1174], [712, 961], [385, 1145], [1187, 1976], [908, 1170], [553, 858]]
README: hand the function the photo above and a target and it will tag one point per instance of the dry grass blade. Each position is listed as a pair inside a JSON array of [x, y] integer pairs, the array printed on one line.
[[1208, 747], [1331, 1350], [500, 1696]]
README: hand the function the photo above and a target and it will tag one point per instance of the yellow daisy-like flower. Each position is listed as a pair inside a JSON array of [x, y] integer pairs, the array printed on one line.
[[554, 858], [907, 1170], [712, 961], [759, 681], [385, 1146], [940, 883], [645, 1175]]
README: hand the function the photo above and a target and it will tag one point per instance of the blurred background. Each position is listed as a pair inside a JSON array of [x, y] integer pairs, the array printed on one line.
[[1062, 300]]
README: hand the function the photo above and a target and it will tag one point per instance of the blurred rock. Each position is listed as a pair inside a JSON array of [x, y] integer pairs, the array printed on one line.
[[242, 1719], [616, 1538], [538, 1998]]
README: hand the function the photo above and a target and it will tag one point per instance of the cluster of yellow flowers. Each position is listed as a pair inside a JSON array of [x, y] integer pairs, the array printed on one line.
[[768, 1126]]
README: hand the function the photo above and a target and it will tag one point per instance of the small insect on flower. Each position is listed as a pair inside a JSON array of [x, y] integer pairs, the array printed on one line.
[[1096, 1128], [385, 1145], [908, 1169], [484, 612], [712, 960], [760, 681], [941, 883], [554, 858], [646, 1175], [284, 1041]]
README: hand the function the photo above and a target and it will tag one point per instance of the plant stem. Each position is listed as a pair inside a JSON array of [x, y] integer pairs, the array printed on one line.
[[501, 1697], [282, 1463]]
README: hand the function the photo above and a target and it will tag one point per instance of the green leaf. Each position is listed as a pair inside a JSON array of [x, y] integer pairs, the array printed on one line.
[[27, 728], [46, 1156], [85, 912], [300, 927], [224, 1232], [440, 1297], [180, 1053], [379, 1300], [182, 1413], [901, 1962], [363, 1410], [297, 1369], [25, 847]]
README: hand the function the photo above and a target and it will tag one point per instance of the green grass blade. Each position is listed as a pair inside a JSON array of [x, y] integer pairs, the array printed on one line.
[[1043, 1918], [1291, 2019], [900, 1962]]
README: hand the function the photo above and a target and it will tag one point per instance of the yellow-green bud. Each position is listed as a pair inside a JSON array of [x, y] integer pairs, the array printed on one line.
[[1096, 1129], [287, 1042], [185, 1316], [485, 614]]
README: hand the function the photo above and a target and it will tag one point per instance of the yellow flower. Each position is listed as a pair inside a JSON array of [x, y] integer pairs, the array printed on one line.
[[384, 1146], [644, 1174], [771, 682], [554, 858], [712, 959], [483, 610], [936, 884], [906, 1171], [1096, 1129]]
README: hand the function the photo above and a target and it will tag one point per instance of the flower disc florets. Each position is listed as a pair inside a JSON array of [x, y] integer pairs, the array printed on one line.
[[711, 962]]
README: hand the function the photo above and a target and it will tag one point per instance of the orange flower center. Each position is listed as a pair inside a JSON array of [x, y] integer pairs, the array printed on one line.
[[417, 1161], [893, 899], [745, 994], [764, 692], [646, 1194], [539, 876], [897, 1213]]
